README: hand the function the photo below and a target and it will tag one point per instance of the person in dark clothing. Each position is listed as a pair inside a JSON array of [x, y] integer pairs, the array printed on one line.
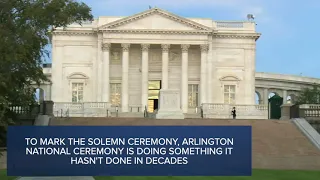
[[234, 113]]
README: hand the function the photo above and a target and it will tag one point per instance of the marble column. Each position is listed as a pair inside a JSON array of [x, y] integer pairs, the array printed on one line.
[[165, 66], [265, 96], [209, 77], [106, 72], [125, 78], [184, 78], [144, 73], [284, 96], [98, 84], [203, 81]]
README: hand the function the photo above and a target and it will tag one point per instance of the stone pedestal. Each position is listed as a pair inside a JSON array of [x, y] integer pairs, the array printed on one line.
[[285, 111], [169, 105]]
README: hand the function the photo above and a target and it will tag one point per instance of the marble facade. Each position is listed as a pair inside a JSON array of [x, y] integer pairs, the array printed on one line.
[[116, 62]]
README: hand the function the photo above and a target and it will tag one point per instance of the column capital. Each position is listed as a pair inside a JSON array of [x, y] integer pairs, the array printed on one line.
[[204, 47], [145, 47], [165, 47], [185, 47], [125, 47], [106, 46]]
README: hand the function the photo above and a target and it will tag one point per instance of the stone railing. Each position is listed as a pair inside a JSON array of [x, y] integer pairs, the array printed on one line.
[[309, 111], [137, 108], [86, 109], [91, 109], [243, 111], [235, 25]]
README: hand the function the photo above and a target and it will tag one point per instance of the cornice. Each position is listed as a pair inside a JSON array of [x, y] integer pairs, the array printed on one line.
[[74, 33], [237, 36], [151, 31], [286, 81], [130, 31], [158, 11]]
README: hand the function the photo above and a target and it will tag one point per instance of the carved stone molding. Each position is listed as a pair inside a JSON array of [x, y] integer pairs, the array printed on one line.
[[174, 56], [229, 80], [74, 33], [153, 31], [204, 47], [185, 47], [106, 46], [238, 36], [125, 47], [78, 77], [145, 47], [165, 47]]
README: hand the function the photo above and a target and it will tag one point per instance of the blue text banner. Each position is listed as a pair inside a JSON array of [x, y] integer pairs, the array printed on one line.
[[129, 151]]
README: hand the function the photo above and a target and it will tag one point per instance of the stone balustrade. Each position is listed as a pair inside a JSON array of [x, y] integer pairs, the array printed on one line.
[[243, 111], [90, 109], [308, 111], [86, 109]]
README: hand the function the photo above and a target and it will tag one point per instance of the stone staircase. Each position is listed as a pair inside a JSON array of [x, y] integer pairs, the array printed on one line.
[[275, 144], [193, 116]]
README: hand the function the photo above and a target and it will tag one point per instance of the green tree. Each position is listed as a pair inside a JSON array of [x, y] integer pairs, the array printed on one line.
[[25, 27], [309, 95]]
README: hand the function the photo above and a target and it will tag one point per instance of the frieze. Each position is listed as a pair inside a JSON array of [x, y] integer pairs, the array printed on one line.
[[174, 56], [115, 55], [155, 58]]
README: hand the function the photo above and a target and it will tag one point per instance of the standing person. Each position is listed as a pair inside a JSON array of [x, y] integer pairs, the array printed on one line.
[[234, 113]]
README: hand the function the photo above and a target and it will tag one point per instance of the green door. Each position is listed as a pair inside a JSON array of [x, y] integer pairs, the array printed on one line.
[[275, 103]]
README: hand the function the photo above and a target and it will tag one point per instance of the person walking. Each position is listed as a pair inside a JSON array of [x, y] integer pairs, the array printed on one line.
[[234, 113]]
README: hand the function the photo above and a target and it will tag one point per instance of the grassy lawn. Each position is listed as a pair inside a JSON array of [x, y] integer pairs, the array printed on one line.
[[3, 175], [257, 175]]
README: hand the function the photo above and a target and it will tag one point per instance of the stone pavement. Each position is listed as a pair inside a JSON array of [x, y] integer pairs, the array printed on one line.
[[57, 178]]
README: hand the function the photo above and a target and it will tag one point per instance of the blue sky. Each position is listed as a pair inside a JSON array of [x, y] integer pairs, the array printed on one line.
[[289, 43]]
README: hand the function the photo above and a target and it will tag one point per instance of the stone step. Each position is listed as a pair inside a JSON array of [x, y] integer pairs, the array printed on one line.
[[275, 144], [193, 116], [129, 114]]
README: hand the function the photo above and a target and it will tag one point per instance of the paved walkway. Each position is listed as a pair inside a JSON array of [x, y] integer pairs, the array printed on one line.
[[57, 178]]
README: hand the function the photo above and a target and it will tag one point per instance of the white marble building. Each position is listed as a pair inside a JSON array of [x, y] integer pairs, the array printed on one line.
[[123, 62]]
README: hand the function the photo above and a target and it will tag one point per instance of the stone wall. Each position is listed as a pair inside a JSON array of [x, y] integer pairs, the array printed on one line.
[[3, 159]]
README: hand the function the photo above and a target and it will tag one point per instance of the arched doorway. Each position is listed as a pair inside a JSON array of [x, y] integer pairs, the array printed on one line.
[[39, 95], [275, 102], [291, 99], [258, 99]]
